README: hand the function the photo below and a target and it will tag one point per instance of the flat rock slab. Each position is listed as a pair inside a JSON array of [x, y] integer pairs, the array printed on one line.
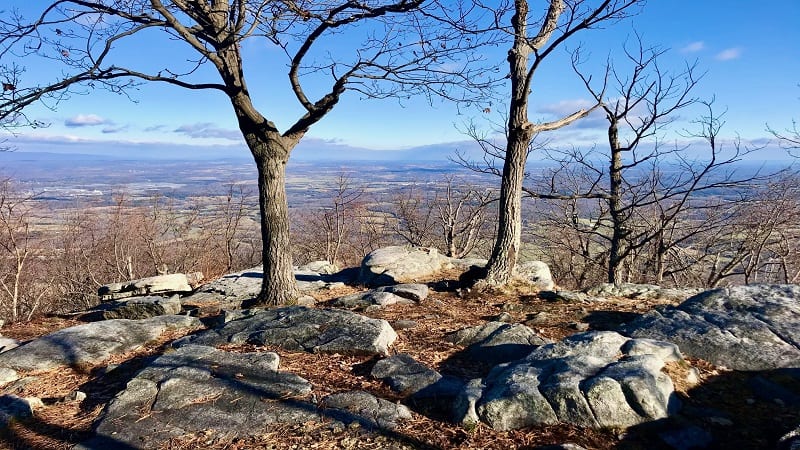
[[298, 328], [496, 342], [234, 289], [134, 308], [753, 327], [642, 291], [366, 409], [400, 264], [594, 379], [384, 296], [172, 283], [91, 343], [199, 388]]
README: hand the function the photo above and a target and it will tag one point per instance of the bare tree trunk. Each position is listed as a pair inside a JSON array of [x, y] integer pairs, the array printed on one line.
[[278, 286], [506, 249], [615, 255]]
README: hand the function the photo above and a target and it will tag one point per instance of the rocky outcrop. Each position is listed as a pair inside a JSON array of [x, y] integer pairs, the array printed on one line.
[[365, 409], [385, 295], [298, 328], [400, 264], [134, 308], [641, 291], [496, 342], [91, 342], [594, 379], [200, 388], [162, 284], [742, 327]]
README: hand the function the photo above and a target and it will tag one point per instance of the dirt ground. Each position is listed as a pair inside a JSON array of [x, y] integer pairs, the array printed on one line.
[[724, 403]]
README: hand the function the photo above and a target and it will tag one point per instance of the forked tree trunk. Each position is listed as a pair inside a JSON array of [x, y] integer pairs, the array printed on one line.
[[503, 259]]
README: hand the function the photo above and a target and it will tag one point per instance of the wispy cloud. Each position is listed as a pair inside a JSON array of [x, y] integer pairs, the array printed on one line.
[[208, 130], [693, 47], [85, 120], [111, 129], [729, 54]]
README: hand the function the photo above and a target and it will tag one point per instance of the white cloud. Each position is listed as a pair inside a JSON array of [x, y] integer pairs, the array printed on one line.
[[729, 54], [208, 130], [565, 107], [693, 47], [85, 120]]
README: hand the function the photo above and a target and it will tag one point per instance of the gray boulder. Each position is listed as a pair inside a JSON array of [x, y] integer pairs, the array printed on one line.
[[162, 284], [92, 342], [588, 379], [385, 295], [496, 342], [369, 298], [298, 328], [742, 327], [135, 308], [536, 273], [410, 291], [199, 388], [400, 264], [366, 409], [404, 374]]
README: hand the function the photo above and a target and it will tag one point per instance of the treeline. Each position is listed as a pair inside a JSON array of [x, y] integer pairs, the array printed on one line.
[[750, 234]]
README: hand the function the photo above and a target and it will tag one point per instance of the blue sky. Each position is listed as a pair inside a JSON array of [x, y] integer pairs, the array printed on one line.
[[749, 52]]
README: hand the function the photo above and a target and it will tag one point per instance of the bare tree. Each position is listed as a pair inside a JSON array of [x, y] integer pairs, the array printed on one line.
[[404, 49], [651, 194], [552, 27], [455, 218], [341, 230], [22, 284]]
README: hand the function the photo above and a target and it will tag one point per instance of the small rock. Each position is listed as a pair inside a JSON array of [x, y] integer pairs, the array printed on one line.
[[504, 317], [538, 318], [693, 377], [512, 307], [403, 324], [580, 326], [306, 300], [76, 396]]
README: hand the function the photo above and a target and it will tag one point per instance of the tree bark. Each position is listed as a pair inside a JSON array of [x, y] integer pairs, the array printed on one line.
[[278, 286], [615, 205], [503, 259]]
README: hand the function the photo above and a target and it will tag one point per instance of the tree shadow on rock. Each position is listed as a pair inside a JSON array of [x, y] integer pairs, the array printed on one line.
[[730, 410], [602, 320]]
